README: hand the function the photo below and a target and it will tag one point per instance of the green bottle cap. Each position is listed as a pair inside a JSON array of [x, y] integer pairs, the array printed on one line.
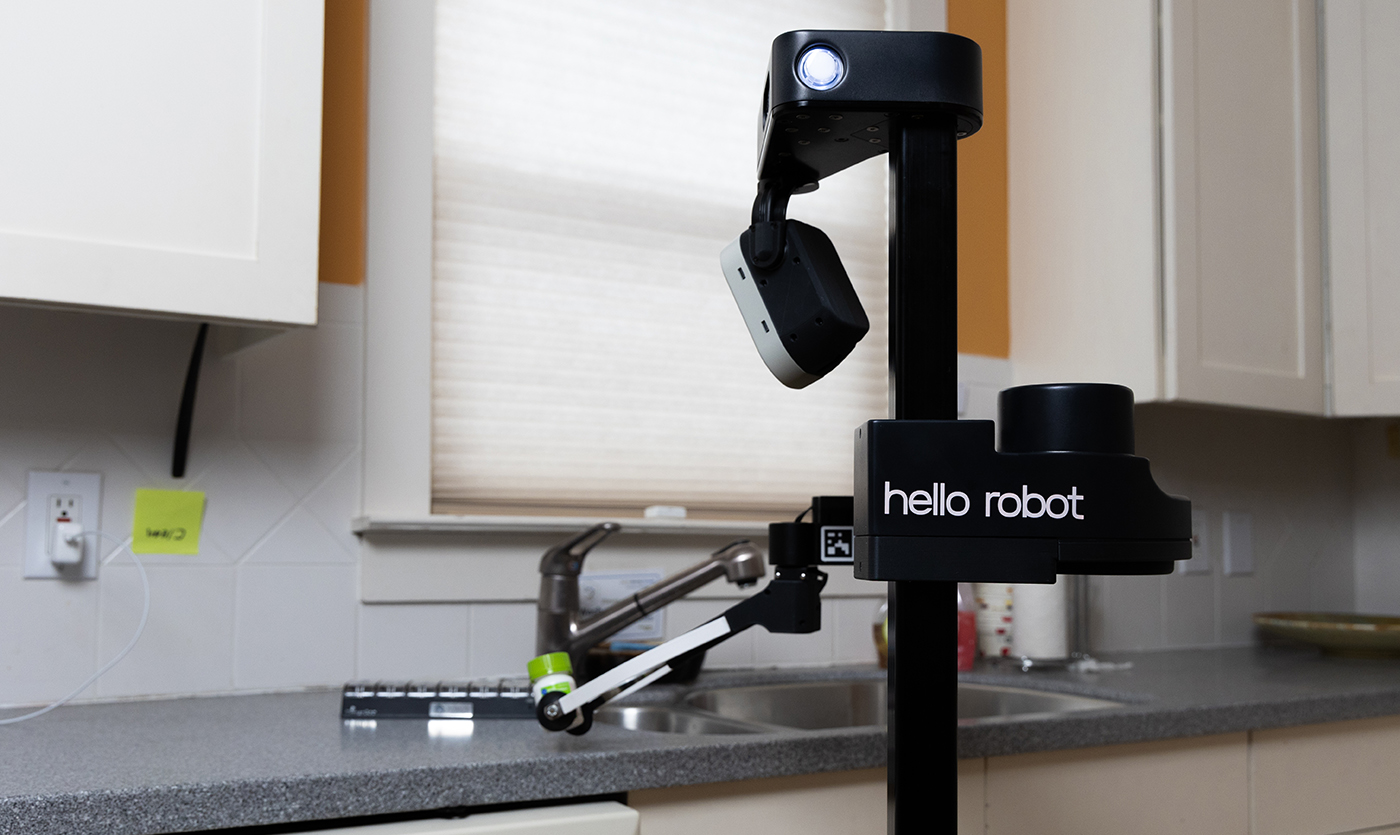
[[548, 664]]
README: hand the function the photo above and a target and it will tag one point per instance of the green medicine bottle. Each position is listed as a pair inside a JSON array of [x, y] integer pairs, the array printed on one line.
[[550, 673]]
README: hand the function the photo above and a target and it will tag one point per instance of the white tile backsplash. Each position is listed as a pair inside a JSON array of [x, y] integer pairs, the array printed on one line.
[[187, 645], [26, 448], [1188, 610], [12, 523], [781, 650], [1292, 475], [11, 497], [414, 641], [328, 501], [245, 500], [294, 626], [853, 639], [272, 599], [300, 539], [304, 385], [1377, 517], [1132, 609], [48, 637], [502, 638]]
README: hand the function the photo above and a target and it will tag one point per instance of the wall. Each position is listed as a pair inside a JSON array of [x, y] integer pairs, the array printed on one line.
[[272, 600], [344, 137], [269, 602], [984, 311], [1376, 458], [1293, 474]]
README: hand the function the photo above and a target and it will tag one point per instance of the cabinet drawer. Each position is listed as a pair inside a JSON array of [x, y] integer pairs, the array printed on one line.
[[1332, 778], [1197, 785], [841, 803]]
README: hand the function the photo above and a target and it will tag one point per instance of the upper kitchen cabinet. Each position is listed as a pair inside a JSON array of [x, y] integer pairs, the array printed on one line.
[[1165, 216], [162, 157], [1361, 57]]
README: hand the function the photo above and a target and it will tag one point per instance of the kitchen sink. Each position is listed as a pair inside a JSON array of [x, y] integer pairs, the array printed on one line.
[[810, 706], [667, 719], [980, 703], [773, 708]]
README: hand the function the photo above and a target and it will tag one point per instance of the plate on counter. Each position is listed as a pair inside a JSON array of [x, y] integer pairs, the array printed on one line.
[[1353, 636]]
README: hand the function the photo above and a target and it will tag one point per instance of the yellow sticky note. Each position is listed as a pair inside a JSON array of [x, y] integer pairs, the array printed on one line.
[[167, 522]]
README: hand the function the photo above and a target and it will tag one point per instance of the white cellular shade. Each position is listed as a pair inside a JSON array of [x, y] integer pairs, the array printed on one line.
[[592, 159]]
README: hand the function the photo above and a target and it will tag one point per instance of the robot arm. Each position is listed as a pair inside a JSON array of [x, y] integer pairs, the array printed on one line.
[[790, 603]]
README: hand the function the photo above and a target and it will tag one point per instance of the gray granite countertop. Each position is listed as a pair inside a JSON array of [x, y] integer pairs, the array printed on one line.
[[1189, 693], [205, 763], [183, 765]]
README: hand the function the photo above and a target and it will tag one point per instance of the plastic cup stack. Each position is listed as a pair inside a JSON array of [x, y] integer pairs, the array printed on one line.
[[995, 619]]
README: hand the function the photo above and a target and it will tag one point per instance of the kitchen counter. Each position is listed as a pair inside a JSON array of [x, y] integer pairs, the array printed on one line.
[[204, 763], [1182, 693]]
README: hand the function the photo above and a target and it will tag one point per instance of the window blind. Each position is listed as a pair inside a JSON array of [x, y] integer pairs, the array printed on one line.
[[592, 158]]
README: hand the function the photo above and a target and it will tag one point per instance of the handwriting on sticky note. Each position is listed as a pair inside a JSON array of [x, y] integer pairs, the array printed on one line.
[[167, 522]]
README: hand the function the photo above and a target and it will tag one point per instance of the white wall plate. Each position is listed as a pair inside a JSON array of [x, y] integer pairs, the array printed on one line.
[[1238, 550], [79, 496], [1200, 545]]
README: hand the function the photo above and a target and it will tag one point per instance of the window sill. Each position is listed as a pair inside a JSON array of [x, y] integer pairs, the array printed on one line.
[[369, 526]]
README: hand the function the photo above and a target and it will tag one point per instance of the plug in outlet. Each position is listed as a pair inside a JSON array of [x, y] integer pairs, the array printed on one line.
[[1200, 545], [65, 514], [57, 502]]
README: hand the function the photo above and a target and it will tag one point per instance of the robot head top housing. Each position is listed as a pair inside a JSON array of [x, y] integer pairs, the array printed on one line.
[[831, 100]]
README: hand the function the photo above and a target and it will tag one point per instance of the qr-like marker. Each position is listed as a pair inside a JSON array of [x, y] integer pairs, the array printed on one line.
[[838, 543]]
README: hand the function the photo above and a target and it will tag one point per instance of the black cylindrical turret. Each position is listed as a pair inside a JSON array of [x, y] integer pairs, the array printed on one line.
[[1066, 417], [792, 544]]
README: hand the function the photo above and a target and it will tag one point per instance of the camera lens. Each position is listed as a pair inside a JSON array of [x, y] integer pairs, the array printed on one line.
[[820, 68]]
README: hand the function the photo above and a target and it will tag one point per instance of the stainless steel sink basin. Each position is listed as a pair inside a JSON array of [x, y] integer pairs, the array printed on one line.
[[811, 706], [670, 720], [773, 708], [979, 703]]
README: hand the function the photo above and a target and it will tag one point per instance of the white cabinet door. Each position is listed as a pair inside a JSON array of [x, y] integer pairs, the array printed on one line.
[[1362, 77], [1241, 224], [1164, 198], [1083, 192], [162, 156]]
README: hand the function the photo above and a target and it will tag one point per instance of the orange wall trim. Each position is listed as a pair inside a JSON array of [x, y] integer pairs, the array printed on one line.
[[344, 122], [984, 313]]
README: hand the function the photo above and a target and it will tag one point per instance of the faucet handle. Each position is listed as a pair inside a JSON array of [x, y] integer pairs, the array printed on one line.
[[567, 557]]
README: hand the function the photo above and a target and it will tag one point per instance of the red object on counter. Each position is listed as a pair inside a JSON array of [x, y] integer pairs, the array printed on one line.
[[967, 640], [967, 627]]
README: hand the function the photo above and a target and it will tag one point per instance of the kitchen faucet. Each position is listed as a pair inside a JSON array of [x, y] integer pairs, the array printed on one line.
[[558, 627], [789, 604]]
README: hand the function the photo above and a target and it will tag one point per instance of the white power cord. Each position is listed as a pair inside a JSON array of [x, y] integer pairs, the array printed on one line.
[[140, 627]]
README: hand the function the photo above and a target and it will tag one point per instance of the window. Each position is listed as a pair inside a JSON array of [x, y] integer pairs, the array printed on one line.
[[591, 160]]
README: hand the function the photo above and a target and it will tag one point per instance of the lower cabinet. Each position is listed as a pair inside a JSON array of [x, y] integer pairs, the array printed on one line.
[[1332, 778], [836, 803], [1198, 785], [1337, 778]]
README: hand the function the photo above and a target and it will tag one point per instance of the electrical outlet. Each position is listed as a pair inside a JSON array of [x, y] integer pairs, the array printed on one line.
[[1200, 545], [64, 514], [61, 499], [1238, 546]]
